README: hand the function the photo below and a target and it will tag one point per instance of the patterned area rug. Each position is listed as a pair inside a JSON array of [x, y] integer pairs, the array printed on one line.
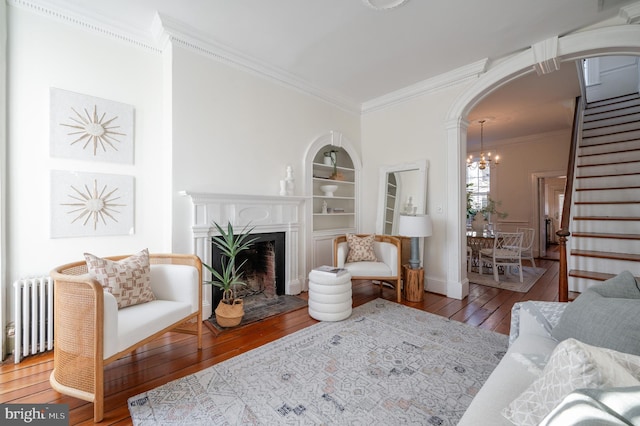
[[259, 307], [387, 364], [510, 281]]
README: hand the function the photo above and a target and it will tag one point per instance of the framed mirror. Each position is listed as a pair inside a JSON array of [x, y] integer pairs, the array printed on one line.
[[402, 189]]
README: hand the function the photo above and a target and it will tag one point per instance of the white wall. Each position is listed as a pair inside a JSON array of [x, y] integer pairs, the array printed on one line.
[[232, 132], [44, 53], [204, 125], [200, 125], [511, 181], [415, 130], [617, 76], [235, 132], [407, 132]]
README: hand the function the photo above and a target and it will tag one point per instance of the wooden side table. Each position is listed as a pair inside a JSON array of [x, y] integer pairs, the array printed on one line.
[[413, 288]]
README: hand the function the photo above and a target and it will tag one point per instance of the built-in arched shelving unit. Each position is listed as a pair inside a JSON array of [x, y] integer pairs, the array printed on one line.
[[342, 207]]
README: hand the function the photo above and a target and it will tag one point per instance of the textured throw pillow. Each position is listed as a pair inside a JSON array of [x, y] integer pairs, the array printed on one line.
[[572, 365], [361, 248], [607, 315], [129, 279]]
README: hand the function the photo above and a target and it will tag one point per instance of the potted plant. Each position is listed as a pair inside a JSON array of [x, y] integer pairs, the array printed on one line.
[[230, 310], [482, 215]]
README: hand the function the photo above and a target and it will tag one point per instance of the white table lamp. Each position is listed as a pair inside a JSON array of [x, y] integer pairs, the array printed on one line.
[[415, 226]]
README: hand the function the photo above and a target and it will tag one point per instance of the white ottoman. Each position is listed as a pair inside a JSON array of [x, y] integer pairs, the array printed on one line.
[[329, 296]]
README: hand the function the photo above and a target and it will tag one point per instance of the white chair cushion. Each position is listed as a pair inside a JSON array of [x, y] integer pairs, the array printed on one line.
[[386, 253], [368, 269], [176, 290], [136, 323]]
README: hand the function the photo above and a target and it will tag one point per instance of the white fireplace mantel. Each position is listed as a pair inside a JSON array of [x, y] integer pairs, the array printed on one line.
[[265, 214]]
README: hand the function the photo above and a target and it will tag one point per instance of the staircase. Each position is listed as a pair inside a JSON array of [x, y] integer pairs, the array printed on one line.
[[605, 223]]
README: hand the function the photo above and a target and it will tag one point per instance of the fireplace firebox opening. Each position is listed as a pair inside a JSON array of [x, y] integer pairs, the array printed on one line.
[[263, 271]]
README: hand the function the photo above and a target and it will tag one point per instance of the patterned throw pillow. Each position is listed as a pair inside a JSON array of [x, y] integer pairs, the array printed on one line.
[[129, 279], [572, 365], [361, 248]]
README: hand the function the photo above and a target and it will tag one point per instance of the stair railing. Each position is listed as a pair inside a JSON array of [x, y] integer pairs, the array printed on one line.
[[563, 233]]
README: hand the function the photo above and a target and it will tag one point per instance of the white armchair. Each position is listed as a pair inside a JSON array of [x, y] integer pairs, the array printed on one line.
[[388, 267]]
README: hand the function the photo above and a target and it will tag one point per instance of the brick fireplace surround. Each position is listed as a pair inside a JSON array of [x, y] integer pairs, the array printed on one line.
[[263, 212]]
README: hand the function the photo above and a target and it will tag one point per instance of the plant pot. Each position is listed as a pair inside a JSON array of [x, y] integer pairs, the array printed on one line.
[[229, 315], [337, 176]]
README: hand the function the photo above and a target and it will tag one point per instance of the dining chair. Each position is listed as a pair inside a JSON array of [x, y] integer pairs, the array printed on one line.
[[506, 250], [469, 258], [527, 244]]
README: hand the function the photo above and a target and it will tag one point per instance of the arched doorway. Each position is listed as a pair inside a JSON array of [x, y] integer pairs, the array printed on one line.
[[615, 40]]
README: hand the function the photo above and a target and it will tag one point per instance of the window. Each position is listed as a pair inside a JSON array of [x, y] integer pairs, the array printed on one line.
[[478, 185]]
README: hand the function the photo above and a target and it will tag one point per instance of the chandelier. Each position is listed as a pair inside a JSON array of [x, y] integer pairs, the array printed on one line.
[[485, 159]]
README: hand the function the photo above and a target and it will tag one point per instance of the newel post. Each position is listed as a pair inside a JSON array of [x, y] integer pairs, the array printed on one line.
[[563, 282]]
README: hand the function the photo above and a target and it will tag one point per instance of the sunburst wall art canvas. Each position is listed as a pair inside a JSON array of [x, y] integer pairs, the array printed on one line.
[[91, 204], [89, 128]]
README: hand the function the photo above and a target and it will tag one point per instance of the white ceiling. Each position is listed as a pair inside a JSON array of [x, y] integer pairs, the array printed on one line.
[[352, 52]]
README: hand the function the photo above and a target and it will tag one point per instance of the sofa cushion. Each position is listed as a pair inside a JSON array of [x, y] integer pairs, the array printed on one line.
[[606, 314], [602, 407], [127, 279], [361, 248], [136, 323], [572, 365]]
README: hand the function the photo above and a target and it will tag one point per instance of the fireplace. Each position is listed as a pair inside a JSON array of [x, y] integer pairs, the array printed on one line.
[[263, 269], [266, 214]]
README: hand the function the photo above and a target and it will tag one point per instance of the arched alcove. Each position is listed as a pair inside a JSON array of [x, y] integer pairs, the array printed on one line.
[[324, 226], [614, 40]]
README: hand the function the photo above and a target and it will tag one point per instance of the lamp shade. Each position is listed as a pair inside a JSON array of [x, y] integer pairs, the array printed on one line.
[[415, 225]]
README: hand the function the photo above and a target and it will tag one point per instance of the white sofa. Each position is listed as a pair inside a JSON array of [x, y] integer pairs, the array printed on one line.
[[568, 358], [512, 375], [91, 332]]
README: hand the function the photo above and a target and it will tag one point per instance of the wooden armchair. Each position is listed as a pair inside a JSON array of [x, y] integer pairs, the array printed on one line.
[[91, 332], [388, 268]]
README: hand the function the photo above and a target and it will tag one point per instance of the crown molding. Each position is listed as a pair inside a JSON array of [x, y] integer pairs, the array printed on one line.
[[96, 24], [630, 14], [456, 76], [167, 29], [164, 30]]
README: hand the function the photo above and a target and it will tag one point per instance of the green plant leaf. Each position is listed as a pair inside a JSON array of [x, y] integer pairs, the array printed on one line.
[[230, 245]]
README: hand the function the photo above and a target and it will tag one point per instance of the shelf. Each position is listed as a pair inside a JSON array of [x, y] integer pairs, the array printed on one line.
[[334, 214], [324, 166], [324, 197], [333, 181]]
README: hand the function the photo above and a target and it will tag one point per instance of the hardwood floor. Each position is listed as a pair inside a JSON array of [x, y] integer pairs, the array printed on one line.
[[174, 355]]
